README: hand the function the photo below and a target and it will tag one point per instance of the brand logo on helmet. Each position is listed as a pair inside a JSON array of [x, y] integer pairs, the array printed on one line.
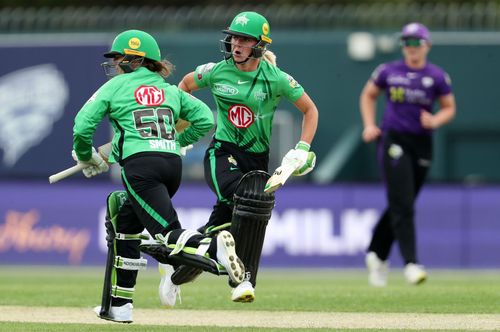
[[149, 96], [243, 19], [265, 28], [240, 116], [134, 43], [226, 89]]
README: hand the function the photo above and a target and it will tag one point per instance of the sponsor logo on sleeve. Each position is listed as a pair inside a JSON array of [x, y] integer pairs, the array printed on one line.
[[149, 95], [293, 83]]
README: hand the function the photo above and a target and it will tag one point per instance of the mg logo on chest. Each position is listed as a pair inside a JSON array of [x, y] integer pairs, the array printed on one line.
[[240, 116]]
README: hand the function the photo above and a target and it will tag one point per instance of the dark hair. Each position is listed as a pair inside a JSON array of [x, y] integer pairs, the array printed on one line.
[[163, 67]]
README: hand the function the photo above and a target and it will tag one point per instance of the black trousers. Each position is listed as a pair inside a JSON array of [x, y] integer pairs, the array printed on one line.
[[225, 164], [405, 160], [151, 180]]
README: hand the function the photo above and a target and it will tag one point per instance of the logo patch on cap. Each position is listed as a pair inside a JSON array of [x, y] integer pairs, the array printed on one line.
[[134, 43], [242, 19], [265, 28]]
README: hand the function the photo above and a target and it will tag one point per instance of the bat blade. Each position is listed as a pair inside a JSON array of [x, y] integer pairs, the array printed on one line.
[[279, 177]]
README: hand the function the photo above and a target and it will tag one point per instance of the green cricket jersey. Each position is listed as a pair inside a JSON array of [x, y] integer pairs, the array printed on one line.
[[246, 101], [143, 110]]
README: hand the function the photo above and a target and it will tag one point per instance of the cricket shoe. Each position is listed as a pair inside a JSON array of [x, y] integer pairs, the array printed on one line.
[[244, 292], [226, 256], [415, 274], [378, 270], [167, 290], [122, 314]]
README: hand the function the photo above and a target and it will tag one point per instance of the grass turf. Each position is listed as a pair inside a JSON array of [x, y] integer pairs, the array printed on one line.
[[332, 290]]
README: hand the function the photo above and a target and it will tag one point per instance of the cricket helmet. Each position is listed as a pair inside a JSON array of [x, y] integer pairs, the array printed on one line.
[[135, 43], [248, 24], [416, 30]]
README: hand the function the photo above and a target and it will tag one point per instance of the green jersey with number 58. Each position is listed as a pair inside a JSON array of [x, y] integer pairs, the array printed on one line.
[[246, 101], [143, 110]]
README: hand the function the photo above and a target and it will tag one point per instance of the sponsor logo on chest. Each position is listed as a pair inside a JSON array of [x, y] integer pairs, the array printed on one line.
[[240, 116], [225, 89]]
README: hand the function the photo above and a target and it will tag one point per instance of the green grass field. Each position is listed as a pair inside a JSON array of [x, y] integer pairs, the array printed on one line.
[[327, 291]]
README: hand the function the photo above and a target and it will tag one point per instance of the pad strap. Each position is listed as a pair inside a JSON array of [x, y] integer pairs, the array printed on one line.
[[122, 292], [181, 241], [203, 247], [140, 236], [211, 230], [125, 263]]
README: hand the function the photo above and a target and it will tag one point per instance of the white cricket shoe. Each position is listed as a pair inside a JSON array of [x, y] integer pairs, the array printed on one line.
[[378, 270], [226, 256], [415, 274], [122, 314], [167, 290], [244, 292]]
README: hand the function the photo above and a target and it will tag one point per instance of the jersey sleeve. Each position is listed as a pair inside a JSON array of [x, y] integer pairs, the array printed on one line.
[[443, 85], [289, 87], [87, 119], [379, 76], [198, 114], [203, 73]]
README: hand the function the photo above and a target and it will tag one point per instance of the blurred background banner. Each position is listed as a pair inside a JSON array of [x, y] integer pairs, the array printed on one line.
[[311, 226], [50, 77]]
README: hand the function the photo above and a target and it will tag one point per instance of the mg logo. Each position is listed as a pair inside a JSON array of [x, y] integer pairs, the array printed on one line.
[[240, 116], [149, 96]]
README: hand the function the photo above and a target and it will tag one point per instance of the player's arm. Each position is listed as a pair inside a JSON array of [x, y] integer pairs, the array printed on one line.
[[445, 114], [310, 117], [188, 83], [199, 116], [367, 107], [86, 121]]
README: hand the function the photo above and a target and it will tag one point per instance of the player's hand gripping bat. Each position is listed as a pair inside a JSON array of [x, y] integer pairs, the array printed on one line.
[[103, 150]]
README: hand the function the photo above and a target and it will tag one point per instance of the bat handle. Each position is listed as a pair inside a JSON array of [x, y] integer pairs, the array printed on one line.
[[67, 172]]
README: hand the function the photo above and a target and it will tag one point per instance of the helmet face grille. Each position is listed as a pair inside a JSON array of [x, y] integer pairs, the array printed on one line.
[[258, 49]]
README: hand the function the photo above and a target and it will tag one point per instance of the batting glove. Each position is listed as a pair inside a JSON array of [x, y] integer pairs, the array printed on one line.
[[96, 165], [184, 149], [308, 166], [298, 156]]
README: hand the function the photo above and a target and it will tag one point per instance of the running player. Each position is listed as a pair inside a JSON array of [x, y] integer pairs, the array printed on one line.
[[143, 110], [247, 91], [412, 86]]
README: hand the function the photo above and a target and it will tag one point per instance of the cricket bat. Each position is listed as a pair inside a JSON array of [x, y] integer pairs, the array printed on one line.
[[279, 177], [104, 151]]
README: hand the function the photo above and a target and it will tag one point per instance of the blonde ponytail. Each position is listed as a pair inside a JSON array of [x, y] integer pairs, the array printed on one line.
[[269, 57]]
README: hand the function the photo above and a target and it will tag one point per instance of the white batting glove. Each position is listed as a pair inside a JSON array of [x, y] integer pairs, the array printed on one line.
[[184, 149], [297, 157], [308, 166], [96, 165]]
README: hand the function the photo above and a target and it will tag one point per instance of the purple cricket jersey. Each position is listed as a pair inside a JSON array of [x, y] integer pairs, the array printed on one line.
[[408, 91]]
